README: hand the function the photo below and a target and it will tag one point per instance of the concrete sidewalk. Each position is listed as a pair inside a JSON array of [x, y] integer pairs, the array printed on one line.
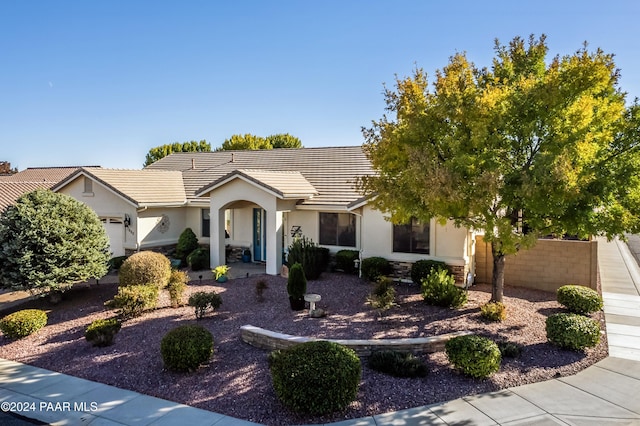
[[604, 394]]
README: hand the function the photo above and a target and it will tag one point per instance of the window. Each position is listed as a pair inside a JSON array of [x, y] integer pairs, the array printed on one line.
[[88, 186], [411, 238], [338, 229], [206, 222]]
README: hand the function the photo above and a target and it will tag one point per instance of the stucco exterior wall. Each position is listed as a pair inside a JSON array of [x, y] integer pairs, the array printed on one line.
[[150, 231], [547, 266]]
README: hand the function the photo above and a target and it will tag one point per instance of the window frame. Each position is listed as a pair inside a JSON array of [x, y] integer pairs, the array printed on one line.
[[340, 235], [412, 243]]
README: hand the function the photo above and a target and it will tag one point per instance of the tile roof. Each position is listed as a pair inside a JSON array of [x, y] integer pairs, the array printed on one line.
[[331, 171], [140, 187], [11, 191], [285, 184]]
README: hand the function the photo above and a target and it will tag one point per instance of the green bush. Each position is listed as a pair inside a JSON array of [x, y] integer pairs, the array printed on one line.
[[296, 282], [316, 377], [399, 364], [101, 332], [199, 259], [133, 300], [383, 295], [145, 267], [421, 269], [116, 262], [375, 267], [579, 299], [572, 331], [203, 301], [509, 349], [177, 286], [187, 243], [473, 355], [345, 259], [314, 259], [493, 311], [439, 289], [23, 323], [186, 347]]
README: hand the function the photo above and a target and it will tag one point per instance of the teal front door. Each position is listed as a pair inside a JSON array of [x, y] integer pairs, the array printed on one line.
[[259, 243]]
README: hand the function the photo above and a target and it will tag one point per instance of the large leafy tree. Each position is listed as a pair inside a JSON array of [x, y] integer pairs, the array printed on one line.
[[162, 151], [526, 148], [253, 142], [50, 241]]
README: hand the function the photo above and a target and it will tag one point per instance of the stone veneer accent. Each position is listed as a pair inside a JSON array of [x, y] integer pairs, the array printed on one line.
[[402, 271], [267, 339]]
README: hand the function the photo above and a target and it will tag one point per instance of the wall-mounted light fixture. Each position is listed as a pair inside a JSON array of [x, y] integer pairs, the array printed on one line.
[[127, 221]]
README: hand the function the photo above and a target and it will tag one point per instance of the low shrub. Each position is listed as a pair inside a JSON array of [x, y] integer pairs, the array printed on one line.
[[261, 286], [509, 349], [345, 260], [186, 347], [421, 269], [383, 295], [145, 267], [439, 289], [493, 311], [398, 364], [473, 355], [572, 331], [199, 259], [579, 299], [23, 323], [316, 377], [375, 267], [116, 262], [133, 300], [203, 301], [177, 286], [101, 332], [187, 243]]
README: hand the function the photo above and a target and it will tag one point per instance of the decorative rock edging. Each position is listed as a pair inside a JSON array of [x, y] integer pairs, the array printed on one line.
[[267, 339]]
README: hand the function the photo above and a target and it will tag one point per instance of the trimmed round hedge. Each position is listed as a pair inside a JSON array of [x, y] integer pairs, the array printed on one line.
[[145, 268], [579, 299], [572, 331], [23, 323], [186, 347], [316, 377], [473, 355]]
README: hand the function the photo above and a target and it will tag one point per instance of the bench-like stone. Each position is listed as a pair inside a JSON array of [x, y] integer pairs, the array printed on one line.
[[271, 340]]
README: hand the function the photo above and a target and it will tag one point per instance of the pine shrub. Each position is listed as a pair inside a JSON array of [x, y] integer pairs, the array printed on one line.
[[473, 355], [316, 377], [579, 299], [23, 323], [572, 331], [186, 347], [296, 282], [345, 260], [101, 332], [187, 243], [177, 286], [398, 364], [314, 259], [375, 267], [439, 289], [421, 269], [145, 267], [203, 301], [199, 259]]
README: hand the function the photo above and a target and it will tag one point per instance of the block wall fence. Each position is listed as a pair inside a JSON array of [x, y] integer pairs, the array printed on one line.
[[546, 266]]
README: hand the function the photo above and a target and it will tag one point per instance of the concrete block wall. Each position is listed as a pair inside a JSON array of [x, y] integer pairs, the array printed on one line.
[[546, 266]]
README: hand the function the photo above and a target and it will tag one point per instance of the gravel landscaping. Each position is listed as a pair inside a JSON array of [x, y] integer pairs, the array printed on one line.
[[237, 382]]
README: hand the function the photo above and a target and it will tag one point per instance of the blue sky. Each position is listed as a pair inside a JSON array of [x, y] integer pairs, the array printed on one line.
[[100, 83]]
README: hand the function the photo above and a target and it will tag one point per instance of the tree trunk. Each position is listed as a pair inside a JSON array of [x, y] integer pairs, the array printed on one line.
[[497, 278]]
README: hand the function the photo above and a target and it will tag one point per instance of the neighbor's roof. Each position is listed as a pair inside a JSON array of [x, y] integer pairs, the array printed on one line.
[[11, 191], [330, 171], [143, 188], [285, 184]]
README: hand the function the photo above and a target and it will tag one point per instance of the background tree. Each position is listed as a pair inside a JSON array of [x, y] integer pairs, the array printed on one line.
[[284, 140], [162, 151], [253, 142], [50, 241], [521, 150]]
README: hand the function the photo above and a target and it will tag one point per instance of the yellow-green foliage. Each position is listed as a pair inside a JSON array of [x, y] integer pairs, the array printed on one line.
[[474, 356], [579, 299], [23, 323], [102, 331], [493, 311], [133, 300], [177, 286], [572, 331], [145, 267]]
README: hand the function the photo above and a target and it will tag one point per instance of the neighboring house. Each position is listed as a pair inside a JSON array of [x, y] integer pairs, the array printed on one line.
[[260, 200], [14, 185]]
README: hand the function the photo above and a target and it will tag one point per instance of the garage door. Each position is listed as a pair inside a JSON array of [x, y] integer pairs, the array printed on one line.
[[115, 232]]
